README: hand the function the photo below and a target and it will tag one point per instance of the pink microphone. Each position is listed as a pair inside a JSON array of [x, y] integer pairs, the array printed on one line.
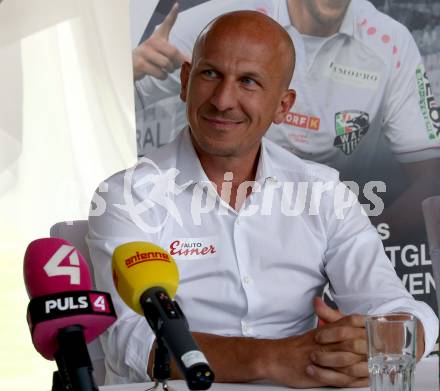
[[64, 312]]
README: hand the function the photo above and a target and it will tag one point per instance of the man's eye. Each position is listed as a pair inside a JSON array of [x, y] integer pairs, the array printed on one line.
[[209, 73], [248, 81]]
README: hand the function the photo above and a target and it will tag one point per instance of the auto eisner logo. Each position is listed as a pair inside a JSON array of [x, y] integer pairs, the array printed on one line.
[[146, 257], [190, 248]]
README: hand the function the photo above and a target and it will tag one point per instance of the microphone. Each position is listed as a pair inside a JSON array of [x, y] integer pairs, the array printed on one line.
[[146, 278], [64, 312]]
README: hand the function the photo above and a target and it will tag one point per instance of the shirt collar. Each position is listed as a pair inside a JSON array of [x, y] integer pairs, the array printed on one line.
[[347, 26], [190, 169], [264, 169], [283, 14]]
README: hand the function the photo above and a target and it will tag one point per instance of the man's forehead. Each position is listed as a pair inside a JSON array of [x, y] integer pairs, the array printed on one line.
[[242, 48], [247, 39], [236, 64]]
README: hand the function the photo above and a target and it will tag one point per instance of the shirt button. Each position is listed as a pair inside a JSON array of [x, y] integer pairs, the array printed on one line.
[[237, 221], [245, 328], [272, 179], [246, 280]]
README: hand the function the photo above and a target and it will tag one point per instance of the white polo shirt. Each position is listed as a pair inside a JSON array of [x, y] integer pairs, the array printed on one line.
[[252, 273], [363, 95]]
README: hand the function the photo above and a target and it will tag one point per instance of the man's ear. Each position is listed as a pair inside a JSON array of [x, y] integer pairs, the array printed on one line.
[[185, 70], [286, 102]]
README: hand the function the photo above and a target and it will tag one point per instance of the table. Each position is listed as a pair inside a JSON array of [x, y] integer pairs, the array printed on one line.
[[427, 374]]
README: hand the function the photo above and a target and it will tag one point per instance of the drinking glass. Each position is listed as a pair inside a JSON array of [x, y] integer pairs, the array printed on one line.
[[392, 351]]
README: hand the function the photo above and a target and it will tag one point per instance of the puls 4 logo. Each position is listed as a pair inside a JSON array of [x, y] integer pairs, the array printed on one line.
[[96, 302]]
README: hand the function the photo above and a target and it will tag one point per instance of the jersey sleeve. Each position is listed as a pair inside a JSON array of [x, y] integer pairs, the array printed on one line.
[[412, 117]]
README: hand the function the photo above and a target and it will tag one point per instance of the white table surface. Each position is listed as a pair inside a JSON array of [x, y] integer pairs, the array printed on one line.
[[427, 379]]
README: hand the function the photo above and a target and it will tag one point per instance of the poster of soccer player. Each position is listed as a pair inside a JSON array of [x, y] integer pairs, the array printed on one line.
[[367, 79]]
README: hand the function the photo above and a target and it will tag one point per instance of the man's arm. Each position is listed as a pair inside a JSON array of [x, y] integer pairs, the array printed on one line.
[[405, 215], [292, 361], [331, 355]]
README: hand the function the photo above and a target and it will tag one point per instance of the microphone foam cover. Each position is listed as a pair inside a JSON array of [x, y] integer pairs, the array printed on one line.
[[138, 266], [53, 265]]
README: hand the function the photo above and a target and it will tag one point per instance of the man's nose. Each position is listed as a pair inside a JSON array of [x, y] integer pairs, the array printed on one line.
[[225, 95]]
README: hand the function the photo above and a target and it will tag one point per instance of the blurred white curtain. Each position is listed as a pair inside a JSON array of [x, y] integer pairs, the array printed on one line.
[[66, 123], [66, 112]]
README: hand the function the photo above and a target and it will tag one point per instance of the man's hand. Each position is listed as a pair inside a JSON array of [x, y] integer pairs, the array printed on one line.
[[331, 355], [341, 359], [156, 56]]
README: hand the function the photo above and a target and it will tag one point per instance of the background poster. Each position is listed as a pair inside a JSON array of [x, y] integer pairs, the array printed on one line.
[[160, 117]]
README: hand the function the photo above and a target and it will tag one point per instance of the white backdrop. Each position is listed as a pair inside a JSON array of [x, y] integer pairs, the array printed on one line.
[[66, 123]]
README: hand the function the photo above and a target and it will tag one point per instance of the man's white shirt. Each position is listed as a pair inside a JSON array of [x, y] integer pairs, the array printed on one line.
[[253, 272]]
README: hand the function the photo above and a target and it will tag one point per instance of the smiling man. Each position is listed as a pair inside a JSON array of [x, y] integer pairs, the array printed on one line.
[[250, 299], [365, 104], [234, 91]]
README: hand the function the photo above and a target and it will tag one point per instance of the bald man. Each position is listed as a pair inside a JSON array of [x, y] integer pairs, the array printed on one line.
[[365, 104], [249, 275]]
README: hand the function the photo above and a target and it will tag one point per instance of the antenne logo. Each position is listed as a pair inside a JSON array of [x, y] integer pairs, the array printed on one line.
[[53, 266], [146, 257]]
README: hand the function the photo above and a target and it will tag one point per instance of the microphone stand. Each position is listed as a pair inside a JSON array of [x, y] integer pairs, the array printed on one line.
[[57, 384], [75, 370], [161, 365]]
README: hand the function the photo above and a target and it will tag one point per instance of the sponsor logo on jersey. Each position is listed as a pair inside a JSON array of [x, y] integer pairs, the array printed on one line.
[[355, 77], [298, 138], [302, 121], [428, 107], [193, 248], [351, 126]]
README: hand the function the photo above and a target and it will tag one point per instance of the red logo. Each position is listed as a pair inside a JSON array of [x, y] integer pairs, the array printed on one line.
[[99, 302], [180, 248], [146, 257], [302, 121]]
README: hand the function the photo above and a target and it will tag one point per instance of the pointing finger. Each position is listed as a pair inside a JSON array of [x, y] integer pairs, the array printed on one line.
[[164, 29]]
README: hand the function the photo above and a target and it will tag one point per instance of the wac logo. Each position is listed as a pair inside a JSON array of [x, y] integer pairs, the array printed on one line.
[[351, 126]]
